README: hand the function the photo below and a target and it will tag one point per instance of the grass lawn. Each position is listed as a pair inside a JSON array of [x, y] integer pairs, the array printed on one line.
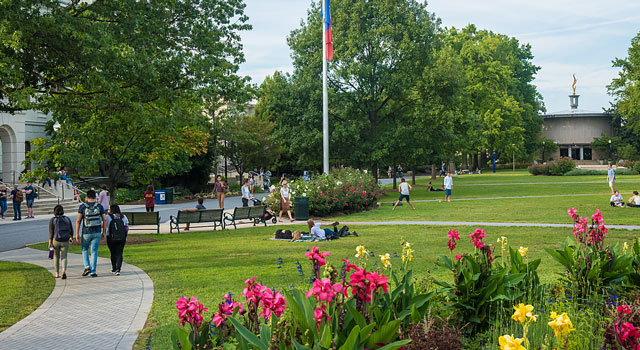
[[591, 196], [24, 288], [207, 265]]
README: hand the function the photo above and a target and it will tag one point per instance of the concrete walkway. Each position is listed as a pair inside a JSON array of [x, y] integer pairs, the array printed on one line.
[[476, 223], [513, 197], [105, 312]]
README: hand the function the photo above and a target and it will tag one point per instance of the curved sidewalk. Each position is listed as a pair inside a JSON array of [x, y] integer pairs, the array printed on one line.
[[105, 312]]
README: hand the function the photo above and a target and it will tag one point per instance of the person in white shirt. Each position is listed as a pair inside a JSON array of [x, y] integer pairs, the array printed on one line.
[[405, 190], [448, 184], [285, 201], [103, 197], [246, 193], [616, 200], [634, 201]]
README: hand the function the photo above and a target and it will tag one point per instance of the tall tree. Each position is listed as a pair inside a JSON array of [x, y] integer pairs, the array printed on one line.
[[127, 92]]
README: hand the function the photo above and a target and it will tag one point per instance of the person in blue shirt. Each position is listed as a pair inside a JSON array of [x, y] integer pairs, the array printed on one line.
[[30, 196], [92, 219], [199, 206], [611, 178]]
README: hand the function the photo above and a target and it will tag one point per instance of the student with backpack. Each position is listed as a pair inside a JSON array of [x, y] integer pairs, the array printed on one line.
[[92, 218], [118, 227], [60, 236], [17, 197]]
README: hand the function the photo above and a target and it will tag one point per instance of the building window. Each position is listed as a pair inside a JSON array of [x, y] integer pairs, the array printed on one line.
[[575, 153], [587, 153], [564, 152]]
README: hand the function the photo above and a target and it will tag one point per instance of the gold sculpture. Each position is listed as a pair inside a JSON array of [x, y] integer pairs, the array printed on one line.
[[574, 83]]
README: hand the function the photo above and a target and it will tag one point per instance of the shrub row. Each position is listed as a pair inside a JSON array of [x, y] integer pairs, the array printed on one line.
[[557, 168]]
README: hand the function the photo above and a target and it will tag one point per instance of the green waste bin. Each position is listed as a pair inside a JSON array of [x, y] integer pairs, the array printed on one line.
[[169, 195], [301, 208]]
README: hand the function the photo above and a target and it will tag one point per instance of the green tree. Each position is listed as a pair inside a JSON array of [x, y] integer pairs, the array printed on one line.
[[128, 93], [625, 89]]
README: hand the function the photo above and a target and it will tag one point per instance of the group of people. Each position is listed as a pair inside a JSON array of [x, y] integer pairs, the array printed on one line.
[[616, 199], [17, 196], [405, 190], [60, 173], [94, 223]]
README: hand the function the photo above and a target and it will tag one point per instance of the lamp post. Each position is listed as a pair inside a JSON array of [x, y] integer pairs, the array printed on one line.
[[513, 147], [610, 154], [542, 152]]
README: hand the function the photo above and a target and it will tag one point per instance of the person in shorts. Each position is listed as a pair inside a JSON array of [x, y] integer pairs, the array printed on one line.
[[405, 190], [448, 184], [611, 178], [30, 196]]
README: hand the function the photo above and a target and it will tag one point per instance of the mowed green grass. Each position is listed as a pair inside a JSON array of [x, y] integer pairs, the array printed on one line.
[[24, 288], [209, 264], [471, 204]]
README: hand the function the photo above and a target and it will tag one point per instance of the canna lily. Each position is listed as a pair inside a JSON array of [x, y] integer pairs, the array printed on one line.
[[385, 260], [509, 342], [361, 251], [561, 324], [523, 251], [523, 313]]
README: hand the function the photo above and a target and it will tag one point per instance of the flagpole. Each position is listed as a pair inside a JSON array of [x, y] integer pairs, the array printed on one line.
[[325, 96]]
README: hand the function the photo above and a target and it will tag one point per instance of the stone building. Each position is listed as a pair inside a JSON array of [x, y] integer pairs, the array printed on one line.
[[574, 130], [16, 133]]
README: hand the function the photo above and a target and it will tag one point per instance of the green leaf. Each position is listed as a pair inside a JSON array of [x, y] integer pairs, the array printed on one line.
[[352, 339], [249, 336], [384, 334], [181, 335]]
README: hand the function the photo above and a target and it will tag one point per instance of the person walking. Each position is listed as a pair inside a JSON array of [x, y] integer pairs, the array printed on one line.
[[3, 200], [117, 230], [405, 191], [149, 199], [260, 183], [220, 189], [400, 171], [17, 197], [448, 184], [442, 169], [47, 177], [30, 196], [611, 178], [91, 217], [104, 198], [60, 237], [285, 201], [246, 194]]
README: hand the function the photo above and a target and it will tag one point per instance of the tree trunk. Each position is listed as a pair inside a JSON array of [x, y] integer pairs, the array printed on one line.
[[474, 160], [113, 187], [413, 175], [433, 171], [393, 173], [464, 161], [483, 159]]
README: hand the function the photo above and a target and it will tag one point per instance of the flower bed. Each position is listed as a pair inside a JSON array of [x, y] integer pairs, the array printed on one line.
[[344, 190], [494, 299]]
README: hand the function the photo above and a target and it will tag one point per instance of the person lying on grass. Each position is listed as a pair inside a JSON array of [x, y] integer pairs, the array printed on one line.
[[326, 233], [634, 201], [430, 188], [199, 206]]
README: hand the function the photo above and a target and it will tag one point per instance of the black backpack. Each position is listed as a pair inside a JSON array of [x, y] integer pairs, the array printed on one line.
[[117, 232], [62, 229]]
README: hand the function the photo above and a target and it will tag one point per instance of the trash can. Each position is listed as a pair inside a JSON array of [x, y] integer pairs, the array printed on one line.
[[301, 208], [161, 197], [169, 195]]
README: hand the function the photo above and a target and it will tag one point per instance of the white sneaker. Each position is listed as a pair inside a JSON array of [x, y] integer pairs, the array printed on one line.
[[117, 273]]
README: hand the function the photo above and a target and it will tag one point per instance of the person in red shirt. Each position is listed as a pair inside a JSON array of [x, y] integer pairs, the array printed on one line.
[[149, 199]]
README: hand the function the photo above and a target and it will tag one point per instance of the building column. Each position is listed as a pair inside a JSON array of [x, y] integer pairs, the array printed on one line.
[[581, 153], [569, 150]]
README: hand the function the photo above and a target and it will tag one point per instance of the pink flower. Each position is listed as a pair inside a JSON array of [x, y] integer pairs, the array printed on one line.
[[322, 290], [190, 311], [458, 257], [573, 213], [315, 254], [225, 309], [279, 305], [320, 313], [597, 217], [624, 309], [627, 331], [476, 238], [453, 236]]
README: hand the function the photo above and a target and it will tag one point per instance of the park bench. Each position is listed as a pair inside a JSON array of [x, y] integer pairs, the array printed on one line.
[[143, 218], [256, 213], [240, 213], [214, 216]]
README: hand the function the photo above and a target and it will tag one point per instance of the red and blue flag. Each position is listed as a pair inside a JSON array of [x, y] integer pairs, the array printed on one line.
[[327, 31]]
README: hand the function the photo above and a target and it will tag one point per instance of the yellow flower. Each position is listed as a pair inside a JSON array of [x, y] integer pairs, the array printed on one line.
[[523, 251], [406, 245], [385, 260], [508, 342], [361, 251], [561, 324], [407, 255], [625, 246], [523, 313]]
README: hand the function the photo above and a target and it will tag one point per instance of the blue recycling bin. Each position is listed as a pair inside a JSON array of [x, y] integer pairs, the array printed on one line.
[[161, 197]]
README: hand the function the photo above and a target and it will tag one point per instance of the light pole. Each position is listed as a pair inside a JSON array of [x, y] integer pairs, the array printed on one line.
[[513, 147], [542, 152], [610, 154], [494, 161]]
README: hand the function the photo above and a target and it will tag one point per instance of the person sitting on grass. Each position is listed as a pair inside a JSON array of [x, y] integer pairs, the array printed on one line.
[[634, 201], [430, 188], [405, 190], [616, 200], [199, 206]]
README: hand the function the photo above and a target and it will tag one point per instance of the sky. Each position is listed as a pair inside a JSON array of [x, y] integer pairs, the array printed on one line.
[[566, 37]]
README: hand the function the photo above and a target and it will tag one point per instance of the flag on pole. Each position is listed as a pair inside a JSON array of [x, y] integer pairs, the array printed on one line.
[[327, 31]]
